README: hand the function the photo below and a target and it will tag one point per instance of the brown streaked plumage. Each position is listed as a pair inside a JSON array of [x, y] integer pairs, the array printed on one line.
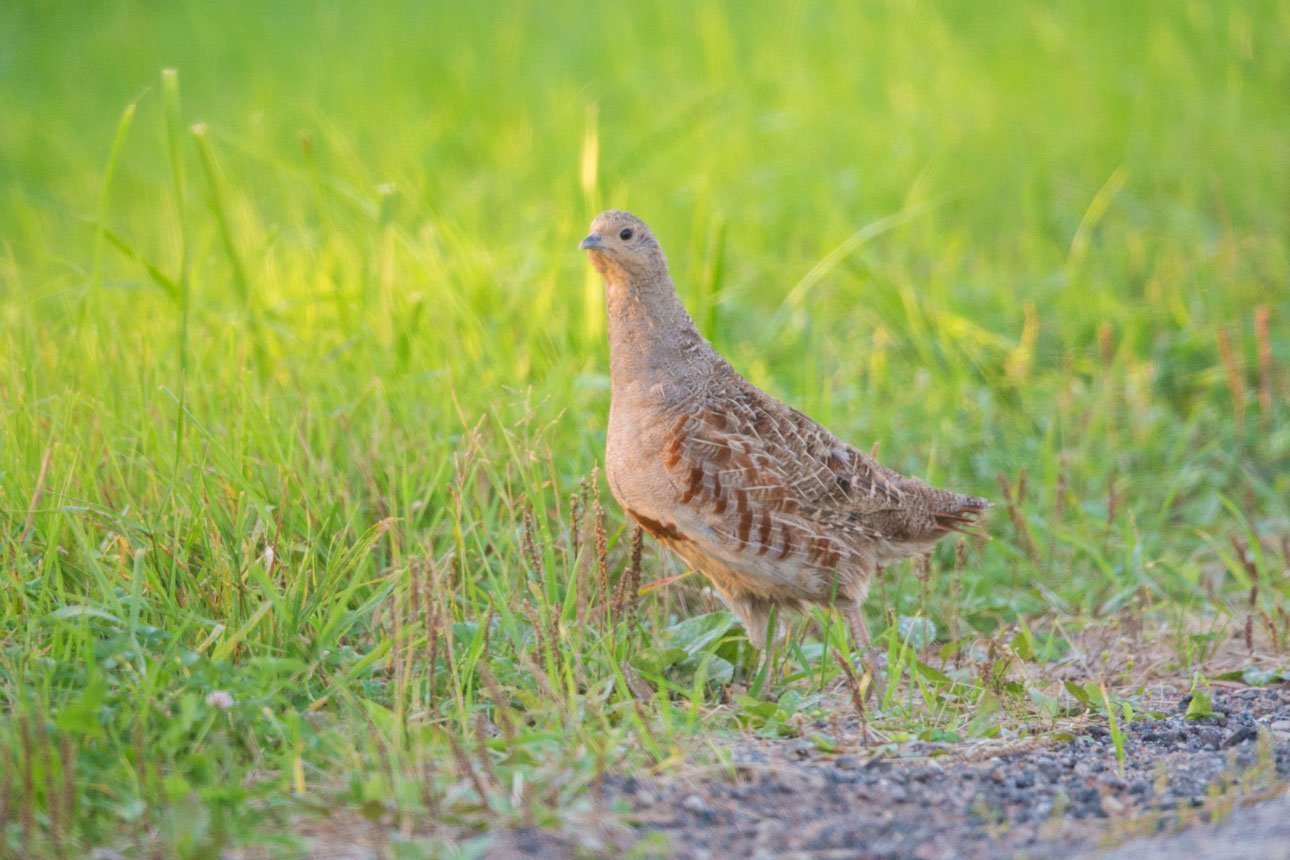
[[769, 505]]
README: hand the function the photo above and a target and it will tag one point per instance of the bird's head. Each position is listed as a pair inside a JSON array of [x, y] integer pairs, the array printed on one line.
[[620, 245]]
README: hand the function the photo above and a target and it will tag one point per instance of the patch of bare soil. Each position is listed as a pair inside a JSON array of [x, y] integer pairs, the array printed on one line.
[[1064, 799]]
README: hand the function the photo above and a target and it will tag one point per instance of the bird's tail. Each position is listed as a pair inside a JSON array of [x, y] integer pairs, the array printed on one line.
[[962, 515]]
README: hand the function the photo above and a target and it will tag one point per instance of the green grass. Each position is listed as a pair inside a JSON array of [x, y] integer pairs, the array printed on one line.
[[303, 382]]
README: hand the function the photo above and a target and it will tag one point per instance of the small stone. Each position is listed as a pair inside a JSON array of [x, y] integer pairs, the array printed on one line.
[[847, 762], [695, 804]]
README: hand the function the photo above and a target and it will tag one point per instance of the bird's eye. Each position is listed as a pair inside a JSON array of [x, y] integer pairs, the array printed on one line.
[[625, 234]]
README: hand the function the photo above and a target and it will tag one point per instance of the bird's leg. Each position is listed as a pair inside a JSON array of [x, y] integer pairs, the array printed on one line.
[[770, 636], [859, 632], [756, 617], [754, 614], [864, 644]]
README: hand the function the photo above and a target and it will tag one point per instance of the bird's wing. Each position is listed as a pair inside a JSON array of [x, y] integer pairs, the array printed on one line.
[[767, 471]]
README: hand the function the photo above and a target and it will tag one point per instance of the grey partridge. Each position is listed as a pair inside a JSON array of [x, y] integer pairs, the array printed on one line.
[[768, 504]]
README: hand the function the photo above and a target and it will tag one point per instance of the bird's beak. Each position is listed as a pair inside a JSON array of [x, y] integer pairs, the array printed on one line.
[[594, 242]]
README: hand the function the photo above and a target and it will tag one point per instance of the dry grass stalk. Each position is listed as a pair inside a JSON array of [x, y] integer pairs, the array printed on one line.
[[1271, 626], [635, 572], [28, 798], [426, 581], [501, 702], [1112, 499], [1011, 499], [1252, 571], [602, 537], [856, 689], [1062, 488], [542, 647], [400, 652], [923, 567], [554, 633], [53, 800], [67, 762], [577, 513], [465, 769], [1263, 336], [575, 530], [1232, 364], [1106, 343], [1249, 620], [30, 522], [626, 595], [7, 769], [528, 543], [483, 731], [540, 677]]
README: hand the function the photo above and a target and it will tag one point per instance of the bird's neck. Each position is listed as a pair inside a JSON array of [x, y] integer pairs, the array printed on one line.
[[652, 339]]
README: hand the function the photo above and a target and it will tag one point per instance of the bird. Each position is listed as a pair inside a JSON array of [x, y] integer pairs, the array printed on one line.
[[770, 506]]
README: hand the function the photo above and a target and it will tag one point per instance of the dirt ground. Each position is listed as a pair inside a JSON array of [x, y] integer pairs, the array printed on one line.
[[1195, 787], [1212, 787]]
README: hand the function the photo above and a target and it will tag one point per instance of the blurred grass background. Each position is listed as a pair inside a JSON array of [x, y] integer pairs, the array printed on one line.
[[300, 368]]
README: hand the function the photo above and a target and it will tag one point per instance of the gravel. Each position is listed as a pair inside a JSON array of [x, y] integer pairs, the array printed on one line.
[[1063, 800]]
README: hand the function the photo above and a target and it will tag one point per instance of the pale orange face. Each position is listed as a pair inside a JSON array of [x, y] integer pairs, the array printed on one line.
[[620, 243]]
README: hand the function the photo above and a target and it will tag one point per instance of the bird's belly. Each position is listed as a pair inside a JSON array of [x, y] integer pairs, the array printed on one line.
[[634, 467], [700, 541], [783, 580]]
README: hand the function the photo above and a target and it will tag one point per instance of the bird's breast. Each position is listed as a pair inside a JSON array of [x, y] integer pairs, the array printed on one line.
[[634, 465]]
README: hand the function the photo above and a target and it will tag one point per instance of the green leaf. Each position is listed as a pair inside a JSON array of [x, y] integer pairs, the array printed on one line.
[[791, 702], [985, 723], [718, 670], [657, 659], [1023, 645], [1256, 676], [915, 630], [755, 713], [1078, 693], [702, 632], [1201, 705], [1049, 706], [936, 676], [67, 613], [823, 743], [82, 715]]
